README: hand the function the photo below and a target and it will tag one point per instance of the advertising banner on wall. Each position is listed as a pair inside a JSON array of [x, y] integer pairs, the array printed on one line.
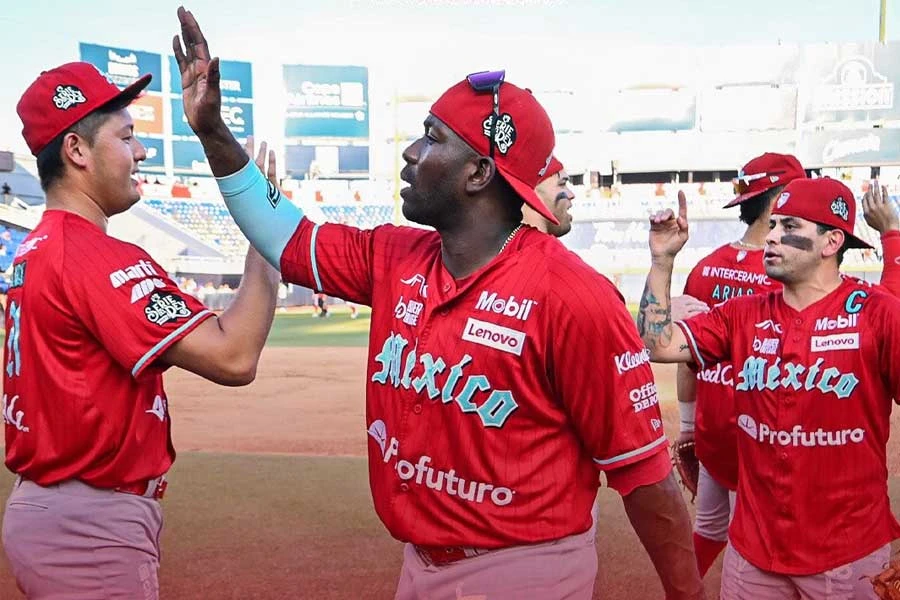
[[326, 101], [124, 66], [847, 148]]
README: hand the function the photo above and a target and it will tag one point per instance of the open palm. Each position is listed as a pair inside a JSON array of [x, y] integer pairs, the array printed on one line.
[[199, 75]]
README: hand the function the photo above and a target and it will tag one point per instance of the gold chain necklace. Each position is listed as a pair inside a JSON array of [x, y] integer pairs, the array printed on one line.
[[511, 236], [748, 245]]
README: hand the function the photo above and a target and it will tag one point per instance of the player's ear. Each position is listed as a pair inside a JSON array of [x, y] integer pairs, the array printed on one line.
[[75, 149], [480, 172], [834, 241]]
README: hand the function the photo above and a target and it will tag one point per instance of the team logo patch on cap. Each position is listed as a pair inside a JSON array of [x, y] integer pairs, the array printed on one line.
[[546, 166], [68, 96], [504, 131], [782, 200], [840, 208]]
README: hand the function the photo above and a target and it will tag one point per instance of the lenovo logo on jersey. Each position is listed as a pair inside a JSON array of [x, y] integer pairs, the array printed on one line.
[[838, 341], [509, 307], [841, 322], [494, 336], [631, 360], [644, 397], [797, 437], [448, 482], [141, 270]]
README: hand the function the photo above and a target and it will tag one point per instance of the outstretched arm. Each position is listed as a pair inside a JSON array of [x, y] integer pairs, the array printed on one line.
[[661, 521], [881, 216], [668, 234]]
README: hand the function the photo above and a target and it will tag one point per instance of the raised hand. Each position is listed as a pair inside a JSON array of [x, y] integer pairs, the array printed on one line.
[[668, 231], [878, 210], [199, 76], [269, 171]]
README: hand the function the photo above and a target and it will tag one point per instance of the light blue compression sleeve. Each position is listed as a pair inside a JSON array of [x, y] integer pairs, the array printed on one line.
[[267, 218]]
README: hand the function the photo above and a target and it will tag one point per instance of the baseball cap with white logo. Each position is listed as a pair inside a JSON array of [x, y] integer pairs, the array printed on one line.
[[507, 122], [825, 201], [61, 97], [763, 173]]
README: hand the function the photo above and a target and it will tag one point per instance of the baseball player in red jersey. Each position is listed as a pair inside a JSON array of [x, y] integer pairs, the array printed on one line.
[[814, 378], [486, 435], [92, 324], [554, 192], [734, 270], [705, 398]]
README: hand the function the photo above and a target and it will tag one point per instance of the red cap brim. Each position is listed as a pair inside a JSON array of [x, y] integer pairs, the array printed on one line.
[[745, 197], [133, 91], [527, 194]]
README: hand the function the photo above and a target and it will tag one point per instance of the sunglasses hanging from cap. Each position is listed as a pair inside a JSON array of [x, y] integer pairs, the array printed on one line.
[[742, 183], [489, 81]]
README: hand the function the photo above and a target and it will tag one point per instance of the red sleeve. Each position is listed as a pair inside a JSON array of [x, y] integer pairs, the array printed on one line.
[[887, 317], [344, 261], [126, 300], [601, 373], [707, 335], [890, 273]]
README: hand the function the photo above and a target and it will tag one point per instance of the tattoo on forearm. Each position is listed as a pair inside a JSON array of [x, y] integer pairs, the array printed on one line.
[[654, 320]]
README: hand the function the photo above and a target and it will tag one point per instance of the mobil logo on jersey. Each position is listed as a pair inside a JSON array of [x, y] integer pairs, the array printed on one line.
[[423, 472], [518, 308], [452, 382], [837, 323]]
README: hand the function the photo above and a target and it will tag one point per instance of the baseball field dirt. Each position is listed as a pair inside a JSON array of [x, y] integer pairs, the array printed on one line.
[[269, 496]]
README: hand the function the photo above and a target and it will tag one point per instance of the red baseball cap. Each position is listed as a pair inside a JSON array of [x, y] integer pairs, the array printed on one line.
[[553, 167], [523, 134], [763, 173], [826, 201], [61, 97]]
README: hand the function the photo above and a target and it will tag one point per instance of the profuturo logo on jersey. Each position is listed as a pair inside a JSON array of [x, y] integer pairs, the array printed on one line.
[[797, 436], [398, 364], [762, 374], [509, 307], [631, 360], [447, 481]]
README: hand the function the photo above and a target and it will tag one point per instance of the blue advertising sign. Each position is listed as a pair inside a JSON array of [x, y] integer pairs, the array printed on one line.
[[123, 66], [326, 101], [852, 147], [189, 156], [237, 116], [236, 82], [156, 153]]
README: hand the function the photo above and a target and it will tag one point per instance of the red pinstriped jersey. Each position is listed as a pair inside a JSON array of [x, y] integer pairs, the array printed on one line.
[[727, 273], [492, 401], [813, 396], [87, 316]]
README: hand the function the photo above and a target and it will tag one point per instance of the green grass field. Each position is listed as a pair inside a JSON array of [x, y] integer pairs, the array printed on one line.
[[303, 329]]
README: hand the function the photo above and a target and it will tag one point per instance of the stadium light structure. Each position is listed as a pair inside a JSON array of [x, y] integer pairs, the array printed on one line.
[[882, 21]]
